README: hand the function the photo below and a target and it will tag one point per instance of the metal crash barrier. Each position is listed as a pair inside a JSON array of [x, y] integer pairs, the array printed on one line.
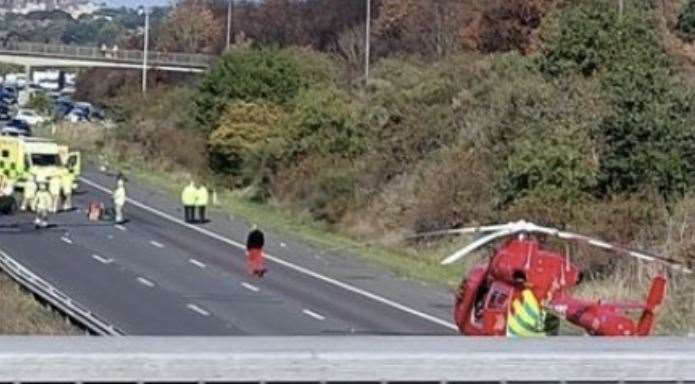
[[346, 359]]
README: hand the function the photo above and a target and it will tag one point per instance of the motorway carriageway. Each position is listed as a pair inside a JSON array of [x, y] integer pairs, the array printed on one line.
[[158, 276]]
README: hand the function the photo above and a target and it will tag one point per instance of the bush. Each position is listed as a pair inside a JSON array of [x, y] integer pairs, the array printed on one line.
[[242, 130], [325, 186], [686, 22], [41, 103], [247, 75], [324, 122]]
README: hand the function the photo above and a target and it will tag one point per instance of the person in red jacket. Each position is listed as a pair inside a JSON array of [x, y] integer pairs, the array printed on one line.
[[254, 253]]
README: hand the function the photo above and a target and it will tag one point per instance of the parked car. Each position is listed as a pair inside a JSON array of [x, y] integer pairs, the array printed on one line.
[[5, 112], [30, 116], [13, 131], [61, 108], [20, 125]]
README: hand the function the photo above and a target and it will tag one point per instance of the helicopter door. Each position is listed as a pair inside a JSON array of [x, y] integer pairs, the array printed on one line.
[[496, 307]]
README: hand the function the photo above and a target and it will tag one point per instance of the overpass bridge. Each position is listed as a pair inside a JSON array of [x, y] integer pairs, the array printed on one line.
[[36, 55]]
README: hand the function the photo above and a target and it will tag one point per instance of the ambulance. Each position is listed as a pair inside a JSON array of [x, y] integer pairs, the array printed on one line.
[[24, 158]]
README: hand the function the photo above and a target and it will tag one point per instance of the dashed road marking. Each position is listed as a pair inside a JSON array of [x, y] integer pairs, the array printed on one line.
[[120, 227], [66, 240], [197, 263], [198, 310], [251, 287], [157, 244], [313, 314], [326, 279], [102, 259], [145, 282]]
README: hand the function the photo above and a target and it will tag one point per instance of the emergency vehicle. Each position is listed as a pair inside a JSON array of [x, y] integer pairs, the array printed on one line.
[[23, 158]]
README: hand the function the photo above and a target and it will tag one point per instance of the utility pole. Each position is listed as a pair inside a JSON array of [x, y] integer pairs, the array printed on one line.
[[621, 8], [230, 6], [146, 47], [367, 43]]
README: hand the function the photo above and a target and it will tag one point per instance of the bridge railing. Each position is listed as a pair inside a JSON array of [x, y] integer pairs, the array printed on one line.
[[96, 53]]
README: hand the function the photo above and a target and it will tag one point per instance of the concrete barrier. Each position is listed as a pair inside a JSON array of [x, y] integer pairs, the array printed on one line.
[[346, 359]]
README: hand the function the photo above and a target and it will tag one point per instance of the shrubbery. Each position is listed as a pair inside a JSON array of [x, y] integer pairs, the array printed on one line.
[[647, 139], [247, 75], [686, 21]]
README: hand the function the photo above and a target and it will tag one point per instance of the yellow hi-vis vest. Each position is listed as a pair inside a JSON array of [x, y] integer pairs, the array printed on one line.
[[189, 195], [526, 318], [202, 197], [67, 183], [43, 200]]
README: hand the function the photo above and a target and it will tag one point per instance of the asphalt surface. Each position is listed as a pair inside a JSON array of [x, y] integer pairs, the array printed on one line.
[[155, 276]]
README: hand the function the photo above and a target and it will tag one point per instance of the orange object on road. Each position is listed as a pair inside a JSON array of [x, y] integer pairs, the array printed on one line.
[[255, 261]]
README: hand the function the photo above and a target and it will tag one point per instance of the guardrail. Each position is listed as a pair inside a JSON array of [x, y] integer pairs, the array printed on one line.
[[95, 53], [57, 299], [346, 359]]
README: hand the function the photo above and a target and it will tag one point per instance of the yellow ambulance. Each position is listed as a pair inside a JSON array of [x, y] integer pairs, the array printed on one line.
[[23, 158]]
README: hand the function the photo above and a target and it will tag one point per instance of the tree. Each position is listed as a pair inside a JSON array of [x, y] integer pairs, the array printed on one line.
[[242, 130], [247, 75], [190, 27], [647, 141]]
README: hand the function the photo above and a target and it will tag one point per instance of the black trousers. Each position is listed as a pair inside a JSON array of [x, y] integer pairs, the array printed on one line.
[[189, 213], [201, 214]]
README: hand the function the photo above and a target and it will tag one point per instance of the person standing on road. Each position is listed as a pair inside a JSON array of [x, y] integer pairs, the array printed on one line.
[[119, 199], [29, 194], [54, 187], [68, 181], [188, 199], [43, 202], [201, 202], [255, 261]]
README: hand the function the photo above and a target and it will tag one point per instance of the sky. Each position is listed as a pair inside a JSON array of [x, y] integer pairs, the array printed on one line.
[[136, 3]]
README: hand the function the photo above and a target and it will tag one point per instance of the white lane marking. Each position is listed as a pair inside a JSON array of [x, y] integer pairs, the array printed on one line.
[[313, 314], [145, 282], [66, 240], [251, 287], [295, 267], [120, 227], [198, 310], [101, 259], [157, 244], [197, 263]]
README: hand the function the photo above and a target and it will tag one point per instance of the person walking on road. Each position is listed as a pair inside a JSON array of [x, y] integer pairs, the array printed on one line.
[[54, 188], [188, 199], [67, 181], [255, 261], [119, 199], [43, 202], [29, 195], [201, 202]]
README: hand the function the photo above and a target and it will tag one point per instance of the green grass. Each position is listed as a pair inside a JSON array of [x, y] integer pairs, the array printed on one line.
[[20, 314]]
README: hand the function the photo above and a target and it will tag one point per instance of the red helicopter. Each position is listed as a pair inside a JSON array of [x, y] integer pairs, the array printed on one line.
[[485, 295]]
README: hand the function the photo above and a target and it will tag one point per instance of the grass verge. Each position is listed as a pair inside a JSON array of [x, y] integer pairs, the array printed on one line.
[[21, 314]]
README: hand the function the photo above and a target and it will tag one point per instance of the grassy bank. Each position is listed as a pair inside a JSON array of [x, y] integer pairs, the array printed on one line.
[[21, 314]]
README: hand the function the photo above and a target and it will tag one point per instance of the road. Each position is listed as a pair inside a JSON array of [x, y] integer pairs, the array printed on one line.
[[157, 276]]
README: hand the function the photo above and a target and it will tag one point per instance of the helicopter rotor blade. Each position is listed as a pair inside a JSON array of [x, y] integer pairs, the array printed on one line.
[[475, 245], [598, 243], [462, 231]]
